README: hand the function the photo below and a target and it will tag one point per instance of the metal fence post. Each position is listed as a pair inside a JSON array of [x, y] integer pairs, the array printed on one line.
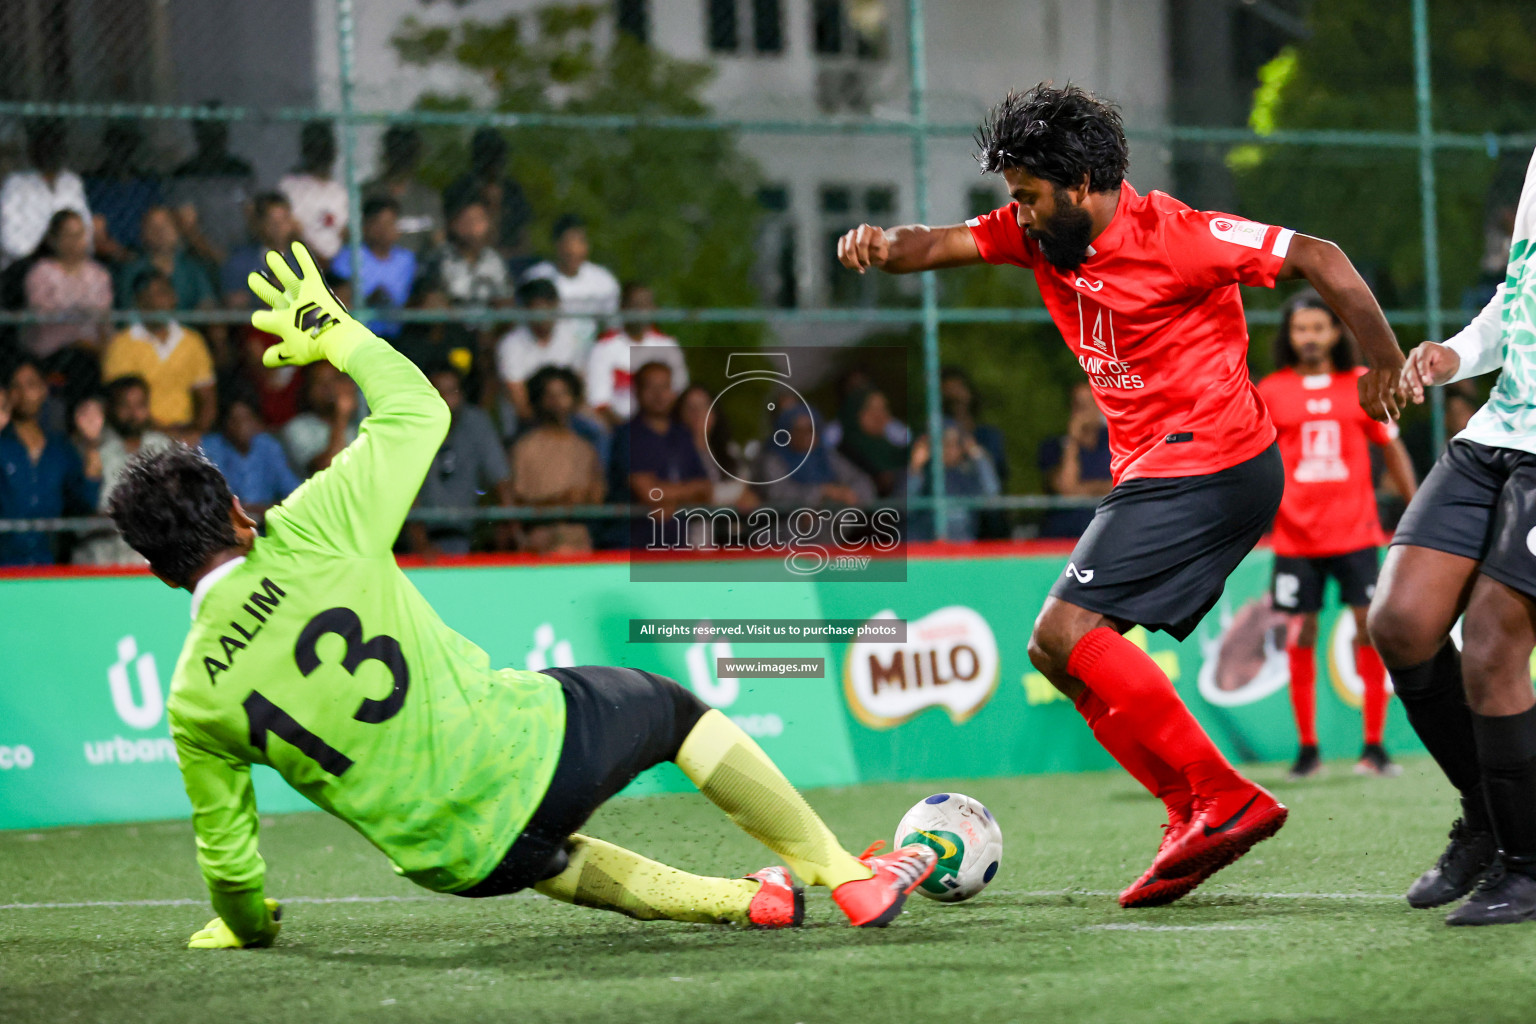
[[345, 33], [1433, 326], [916, 55]]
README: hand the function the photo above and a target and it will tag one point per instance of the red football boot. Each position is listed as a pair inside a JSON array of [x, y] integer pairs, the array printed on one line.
[[1224, 827], [1152, 890], [779, 903], [874, 902]]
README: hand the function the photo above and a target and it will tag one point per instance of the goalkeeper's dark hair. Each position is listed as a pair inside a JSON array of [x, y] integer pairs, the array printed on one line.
[[172, 506], [1057, 135], [1343, 351]]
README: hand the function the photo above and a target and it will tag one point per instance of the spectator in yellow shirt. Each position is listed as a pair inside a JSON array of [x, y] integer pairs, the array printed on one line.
[[172, 359]]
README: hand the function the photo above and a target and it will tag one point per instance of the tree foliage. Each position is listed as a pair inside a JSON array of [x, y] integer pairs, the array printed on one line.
[[1356, 71], [675, 208]]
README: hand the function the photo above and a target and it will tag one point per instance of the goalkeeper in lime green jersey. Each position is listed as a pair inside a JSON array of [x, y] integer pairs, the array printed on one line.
[[311, 652]]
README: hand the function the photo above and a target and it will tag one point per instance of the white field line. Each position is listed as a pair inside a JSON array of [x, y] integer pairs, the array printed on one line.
[[1030, 893]]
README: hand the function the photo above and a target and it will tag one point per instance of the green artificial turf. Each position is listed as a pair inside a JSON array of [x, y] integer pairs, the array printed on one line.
[[1308, 927]]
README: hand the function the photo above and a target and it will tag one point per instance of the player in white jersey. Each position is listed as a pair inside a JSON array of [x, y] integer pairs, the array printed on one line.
[[1467, 544]]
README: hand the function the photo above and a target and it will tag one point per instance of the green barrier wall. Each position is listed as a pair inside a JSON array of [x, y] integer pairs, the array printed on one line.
[[84, 663]]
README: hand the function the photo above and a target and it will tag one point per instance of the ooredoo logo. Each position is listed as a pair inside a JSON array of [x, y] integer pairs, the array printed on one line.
[[19, 756], [949, 660]]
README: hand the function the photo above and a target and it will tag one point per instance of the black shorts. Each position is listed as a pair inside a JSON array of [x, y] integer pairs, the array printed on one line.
[[1479, 502], [1297, 583], [618, 723], [1159, 551]]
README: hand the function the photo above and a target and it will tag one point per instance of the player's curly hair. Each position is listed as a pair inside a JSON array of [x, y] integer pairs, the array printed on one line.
[[172, 506], [1343, 351], [1058, 135]]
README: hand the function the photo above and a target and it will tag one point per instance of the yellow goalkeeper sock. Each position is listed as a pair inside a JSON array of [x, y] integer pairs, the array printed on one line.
[[732, 770], [612, 878]]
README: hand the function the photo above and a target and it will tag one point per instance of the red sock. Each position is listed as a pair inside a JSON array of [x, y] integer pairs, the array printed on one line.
[[1130, 682], [1151, 771], [1304, 692], [1373, 674]]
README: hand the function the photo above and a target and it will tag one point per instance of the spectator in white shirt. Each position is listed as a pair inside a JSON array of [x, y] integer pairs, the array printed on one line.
[[471, 270], [29, 199], [584, 286], [619, 353], [531, 346], [319, 202]]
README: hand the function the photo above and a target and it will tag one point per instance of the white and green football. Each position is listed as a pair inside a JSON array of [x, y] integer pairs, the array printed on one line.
[[964, 835]]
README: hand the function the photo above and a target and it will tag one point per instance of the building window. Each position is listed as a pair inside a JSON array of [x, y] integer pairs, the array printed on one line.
[[767, 26], [634, 19], [721, 26], [849, 28], [847, 206], [777, 260]]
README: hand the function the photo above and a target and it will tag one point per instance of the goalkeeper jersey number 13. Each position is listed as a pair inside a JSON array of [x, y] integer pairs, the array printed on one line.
[[315, 655]]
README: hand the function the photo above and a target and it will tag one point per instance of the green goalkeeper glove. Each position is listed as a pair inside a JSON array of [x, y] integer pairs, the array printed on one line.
[[218, 936], [305, 313]]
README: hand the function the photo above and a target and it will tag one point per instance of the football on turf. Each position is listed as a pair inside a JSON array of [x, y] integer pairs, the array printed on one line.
[[965, 836]]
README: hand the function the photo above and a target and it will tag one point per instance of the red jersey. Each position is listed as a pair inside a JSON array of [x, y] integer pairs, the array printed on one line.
[[1329, 506], [1156, 321]]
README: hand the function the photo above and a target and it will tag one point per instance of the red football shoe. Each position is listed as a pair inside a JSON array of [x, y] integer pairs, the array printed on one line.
[[1153, 890], [1224, 827], [779, 902], [874, 902]]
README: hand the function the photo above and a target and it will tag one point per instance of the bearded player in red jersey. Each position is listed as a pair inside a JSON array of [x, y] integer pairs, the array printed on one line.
[[1328, 523], [1144, 292]]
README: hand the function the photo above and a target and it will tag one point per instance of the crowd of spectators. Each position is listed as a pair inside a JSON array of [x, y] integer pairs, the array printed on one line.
[[552, 410]]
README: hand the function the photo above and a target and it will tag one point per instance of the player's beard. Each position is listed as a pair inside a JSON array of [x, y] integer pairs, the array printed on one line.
[[1065, 244]]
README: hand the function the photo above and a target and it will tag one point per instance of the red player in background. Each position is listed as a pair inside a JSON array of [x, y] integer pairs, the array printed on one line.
[[1328, 524]]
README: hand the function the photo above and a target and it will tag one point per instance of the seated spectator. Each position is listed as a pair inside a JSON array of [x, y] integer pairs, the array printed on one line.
[[42, 475], [119, 192], [487, 183], [473, 272], [531, 346], [388, 268], [420, 207], [471, 463], [65, 279], [172, 359], [250, 458], [849, 384], [210, 194], [127, 432], [958, 398], [318, 200], [720, 456], [1076, 464], [805, 470], [328, 423], [441, 343], [655, 463], [275, 230], [968, 473], [278, 391], [161, 252], [584, 286], [30, 199], [612, 361], [554, 465], [959, 403], [866, 419]]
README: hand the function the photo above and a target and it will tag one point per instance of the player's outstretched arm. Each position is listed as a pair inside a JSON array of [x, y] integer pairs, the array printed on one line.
[[225, 822], [1327, 269], [357, 504], [907, 249]]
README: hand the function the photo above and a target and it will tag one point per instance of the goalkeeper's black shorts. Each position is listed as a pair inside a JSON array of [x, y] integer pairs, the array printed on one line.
[[618, 723]]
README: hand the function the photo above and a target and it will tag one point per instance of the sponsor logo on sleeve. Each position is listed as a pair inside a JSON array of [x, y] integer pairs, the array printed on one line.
[[1239, 232], [949, 660]]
